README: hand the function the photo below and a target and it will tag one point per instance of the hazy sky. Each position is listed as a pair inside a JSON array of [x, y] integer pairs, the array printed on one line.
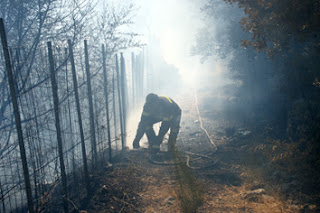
[[175, 24]]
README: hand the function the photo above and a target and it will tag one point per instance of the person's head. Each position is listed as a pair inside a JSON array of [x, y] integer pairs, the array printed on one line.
[[152, 98]]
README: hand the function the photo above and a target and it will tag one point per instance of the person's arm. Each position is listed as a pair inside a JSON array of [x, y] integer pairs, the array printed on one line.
[[141, 130], [142, 125]]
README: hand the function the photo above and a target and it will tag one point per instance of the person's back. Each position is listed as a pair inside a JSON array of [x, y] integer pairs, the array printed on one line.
[[160, 110]]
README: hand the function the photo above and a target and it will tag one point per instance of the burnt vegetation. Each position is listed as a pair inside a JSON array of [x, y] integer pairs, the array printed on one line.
[[276, 67], [66, 95]]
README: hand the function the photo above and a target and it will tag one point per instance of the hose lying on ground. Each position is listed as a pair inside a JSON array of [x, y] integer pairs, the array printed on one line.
[[201, 124], [186, 155]]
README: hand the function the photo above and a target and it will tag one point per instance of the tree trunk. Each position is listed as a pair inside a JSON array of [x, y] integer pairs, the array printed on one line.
[[119, 99], [91, 114], [106, 96], [76, 93], [124, 97], [114, 111], [57, 123], [133, 73], [2, 198], [70, 123], [17, 117]]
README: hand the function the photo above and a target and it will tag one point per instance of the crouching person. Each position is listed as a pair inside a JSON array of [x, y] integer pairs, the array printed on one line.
[[158, 109]]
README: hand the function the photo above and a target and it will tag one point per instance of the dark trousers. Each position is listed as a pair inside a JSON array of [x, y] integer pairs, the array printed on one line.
[[174, 127]]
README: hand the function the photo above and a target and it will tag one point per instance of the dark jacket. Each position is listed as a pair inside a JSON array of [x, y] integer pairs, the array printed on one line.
[[164, 110]]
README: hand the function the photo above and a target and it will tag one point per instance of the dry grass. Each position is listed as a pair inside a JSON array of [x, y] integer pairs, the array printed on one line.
[[189, 189]]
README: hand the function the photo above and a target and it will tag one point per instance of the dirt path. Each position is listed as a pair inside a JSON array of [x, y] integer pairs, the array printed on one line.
[[221, 180]]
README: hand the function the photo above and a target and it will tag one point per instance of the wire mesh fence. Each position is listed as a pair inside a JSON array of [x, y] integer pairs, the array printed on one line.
[[31, 72]]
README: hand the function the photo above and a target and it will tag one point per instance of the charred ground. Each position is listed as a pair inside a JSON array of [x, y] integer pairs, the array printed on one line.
[[248, 172]]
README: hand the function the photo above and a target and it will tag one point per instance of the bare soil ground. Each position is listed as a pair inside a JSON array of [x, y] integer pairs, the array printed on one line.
[[231, 178]]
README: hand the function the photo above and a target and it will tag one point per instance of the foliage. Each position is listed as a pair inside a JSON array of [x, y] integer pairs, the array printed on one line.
[[114, 28], [257, 79], [287, 32], [289, 29], [277, 25], [221, 38]]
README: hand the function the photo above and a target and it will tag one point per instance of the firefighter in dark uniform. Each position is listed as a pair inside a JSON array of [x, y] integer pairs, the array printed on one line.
[[158, 109]]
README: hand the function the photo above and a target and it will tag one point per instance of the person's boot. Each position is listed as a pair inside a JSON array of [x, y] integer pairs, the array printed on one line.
[[154, 149], [136, 144]]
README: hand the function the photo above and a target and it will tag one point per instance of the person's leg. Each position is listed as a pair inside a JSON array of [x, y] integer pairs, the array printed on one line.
[[152, 139], [165, 125], [174, 131], [151, 135]]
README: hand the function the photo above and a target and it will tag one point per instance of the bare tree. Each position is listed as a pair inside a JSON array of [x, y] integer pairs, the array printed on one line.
[[30, 25]]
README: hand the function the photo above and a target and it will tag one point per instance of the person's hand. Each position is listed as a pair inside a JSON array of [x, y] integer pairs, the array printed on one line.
[[136, 144]]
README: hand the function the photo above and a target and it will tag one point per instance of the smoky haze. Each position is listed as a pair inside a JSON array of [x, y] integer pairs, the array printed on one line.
[[74, 75], [169, 29]]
